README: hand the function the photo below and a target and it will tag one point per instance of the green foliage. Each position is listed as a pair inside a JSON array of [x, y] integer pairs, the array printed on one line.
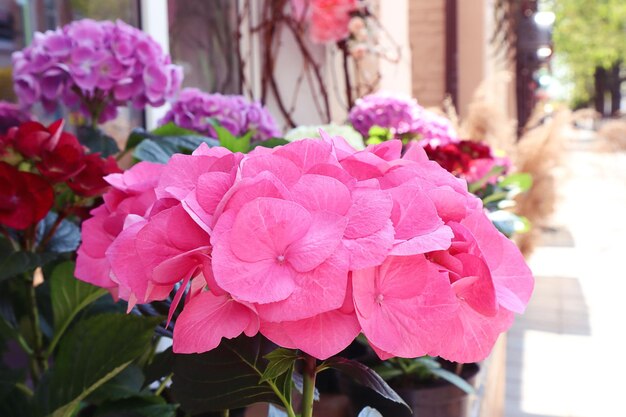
[[15, 262], [589, 34], [91, 354], [233, 375], [97, 141]]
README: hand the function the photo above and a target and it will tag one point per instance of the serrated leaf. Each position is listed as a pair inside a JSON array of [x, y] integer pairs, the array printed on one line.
[[126, 384], [280, 361], [92, 353], [364, 376], [97, 141], [226, 377], [69, 295]]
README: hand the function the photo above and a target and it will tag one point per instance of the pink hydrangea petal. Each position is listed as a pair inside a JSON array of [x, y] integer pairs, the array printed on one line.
[[322, 238], [266, 227], [511, 276], [403, 305], [256, 282], [413, 214], [369, 212], [476, 287], [307, 153], [434, 241], [414, 152], [451, 205], [321, 336], [94, 270], [318, 291], [471, 336], [371, 250], [281, 167], [365, 165], [141, 177], [317, 192], [389, 150], [208, 318]]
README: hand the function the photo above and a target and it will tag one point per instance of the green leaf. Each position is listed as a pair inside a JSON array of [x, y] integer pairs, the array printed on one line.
[[16, 263], [171, 129], [380, 132], [519, 182], [227, 377], [477, 185], [69, 296], [280, 361], [453, 378], [231, 142], [140, 406], [364, 376], [92, 353], [66, 238], [160, 149], [270, 143], [8, 379], [16, 403], [96, 141], [126, 384]]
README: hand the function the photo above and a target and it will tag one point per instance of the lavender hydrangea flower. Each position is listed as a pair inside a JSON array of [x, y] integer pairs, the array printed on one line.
[[194, 109], [95, 66], [11, 115], [402, 115]]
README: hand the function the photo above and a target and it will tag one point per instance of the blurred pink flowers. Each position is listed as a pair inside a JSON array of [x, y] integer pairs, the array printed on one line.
[[329, 19], [310, 244]]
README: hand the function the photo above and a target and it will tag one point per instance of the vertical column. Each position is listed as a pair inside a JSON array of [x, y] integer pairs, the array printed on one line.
[[394, 18], [154, 21]]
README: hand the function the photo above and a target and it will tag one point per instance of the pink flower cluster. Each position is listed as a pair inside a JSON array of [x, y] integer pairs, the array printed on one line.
[[93, 64], [328, 19], [310, 244], [403, 116], [193, 109]]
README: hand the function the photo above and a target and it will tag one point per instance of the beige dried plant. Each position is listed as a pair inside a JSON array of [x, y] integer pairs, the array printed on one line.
[[612, 135]]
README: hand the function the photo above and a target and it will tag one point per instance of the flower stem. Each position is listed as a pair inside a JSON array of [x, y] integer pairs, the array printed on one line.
[[38, 361], [308, 389], [225, 413]]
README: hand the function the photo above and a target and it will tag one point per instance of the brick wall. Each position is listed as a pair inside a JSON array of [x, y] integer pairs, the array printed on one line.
[[427, 42]]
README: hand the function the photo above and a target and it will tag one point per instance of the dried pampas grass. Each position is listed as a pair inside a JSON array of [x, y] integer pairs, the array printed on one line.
[[539, 152]]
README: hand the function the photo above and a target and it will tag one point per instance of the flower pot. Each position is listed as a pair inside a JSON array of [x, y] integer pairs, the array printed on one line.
[[439, 399]]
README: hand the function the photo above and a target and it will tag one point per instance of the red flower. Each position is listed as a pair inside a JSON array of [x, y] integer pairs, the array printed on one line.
[[31, 139], [90, 181], [25, 198], [66, 160]]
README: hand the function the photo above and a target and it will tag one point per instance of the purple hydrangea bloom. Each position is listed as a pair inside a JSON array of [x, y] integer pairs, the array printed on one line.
[[194, 109], [402, 115], [95, 66], [11, 115]]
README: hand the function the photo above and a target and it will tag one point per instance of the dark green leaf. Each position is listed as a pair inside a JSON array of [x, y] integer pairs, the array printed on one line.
[[16, 263], [453, 378], [161, 149], [96, 141], [92, 353], [280, 361], [270, 143], [146, 406], [17, 404], [126, 384], [8, 379], [226, 377], [69, 295], [160, 367], [364, 376], [66, 237]]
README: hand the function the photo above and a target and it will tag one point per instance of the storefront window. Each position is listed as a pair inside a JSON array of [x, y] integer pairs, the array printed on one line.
[[203, 41]]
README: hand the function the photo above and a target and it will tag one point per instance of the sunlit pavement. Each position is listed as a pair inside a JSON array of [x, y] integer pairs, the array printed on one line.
[[567, 355]]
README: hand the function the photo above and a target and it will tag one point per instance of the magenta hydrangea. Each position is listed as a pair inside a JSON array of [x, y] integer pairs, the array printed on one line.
[[95, 66], [194, 110], [11, 115], [310, 244], [403, 116]]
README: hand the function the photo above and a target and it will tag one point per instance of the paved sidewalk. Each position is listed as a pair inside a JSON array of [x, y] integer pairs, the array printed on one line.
[[566, 356]]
